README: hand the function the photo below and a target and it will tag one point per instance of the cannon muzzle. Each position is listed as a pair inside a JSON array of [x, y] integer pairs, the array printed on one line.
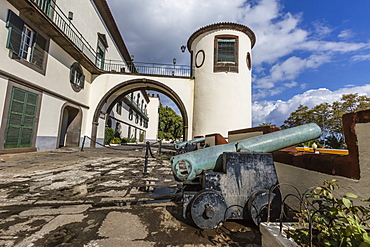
[[187, 166]]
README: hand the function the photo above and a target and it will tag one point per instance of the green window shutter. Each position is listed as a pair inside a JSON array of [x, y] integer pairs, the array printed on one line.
[[21, 119], [38, 51], [15, 27], [226, 50]]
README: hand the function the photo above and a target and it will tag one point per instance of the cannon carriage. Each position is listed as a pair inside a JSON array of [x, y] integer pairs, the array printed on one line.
[[233, 181]]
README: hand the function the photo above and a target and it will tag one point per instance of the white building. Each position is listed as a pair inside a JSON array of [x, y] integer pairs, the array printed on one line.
[[65, 72], [131, 114]]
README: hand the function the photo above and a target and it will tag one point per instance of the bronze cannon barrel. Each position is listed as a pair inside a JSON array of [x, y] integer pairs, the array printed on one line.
[[187, 166], [183, 144]]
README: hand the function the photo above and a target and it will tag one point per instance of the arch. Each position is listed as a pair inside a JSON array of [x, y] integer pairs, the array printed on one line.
[[130, 86], [69, 126]]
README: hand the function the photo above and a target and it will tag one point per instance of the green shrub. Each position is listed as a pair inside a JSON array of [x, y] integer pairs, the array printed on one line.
[[129, 140], [116, 140], [142, 135], [335, 221], [109, 135]]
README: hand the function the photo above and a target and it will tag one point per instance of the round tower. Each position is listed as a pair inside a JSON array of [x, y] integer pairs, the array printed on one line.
[[222, 62]]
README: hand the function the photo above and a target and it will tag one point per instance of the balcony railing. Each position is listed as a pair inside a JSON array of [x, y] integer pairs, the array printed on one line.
[[138, 108], [51, 9], [148, 68], [64, 24]]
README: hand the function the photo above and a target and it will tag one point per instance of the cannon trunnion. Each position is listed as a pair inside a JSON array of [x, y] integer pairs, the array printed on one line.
[[240, 190]]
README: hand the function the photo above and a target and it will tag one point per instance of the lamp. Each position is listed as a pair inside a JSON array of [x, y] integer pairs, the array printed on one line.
[[183, 48], [70, 15]]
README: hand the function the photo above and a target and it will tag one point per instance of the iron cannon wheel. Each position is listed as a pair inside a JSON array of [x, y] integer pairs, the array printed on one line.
[[208, 209], [258, 203]]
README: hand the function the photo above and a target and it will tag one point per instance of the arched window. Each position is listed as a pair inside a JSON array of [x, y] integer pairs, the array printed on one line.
[[130, 114]]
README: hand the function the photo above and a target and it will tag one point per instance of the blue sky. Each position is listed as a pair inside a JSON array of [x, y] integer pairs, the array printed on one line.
[[307, 52]]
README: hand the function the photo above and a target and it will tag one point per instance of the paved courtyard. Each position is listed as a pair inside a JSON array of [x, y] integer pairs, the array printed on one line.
[[100, 197]]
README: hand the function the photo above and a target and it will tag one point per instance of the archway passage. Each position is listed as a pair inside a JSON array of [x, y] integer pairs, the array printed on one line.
[[115, 93], [70, 127]]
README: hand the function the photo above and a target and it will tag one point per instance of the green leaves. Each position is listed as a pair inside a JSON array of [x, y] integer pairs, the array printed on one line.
[[351, 195], [346, 202], [328, 116], [335, 221], [170, 124]]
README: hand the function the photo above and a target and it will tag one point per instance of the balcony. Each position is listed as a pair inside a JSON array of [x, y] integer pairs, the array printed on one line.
[[128, 100], [55, 23], [148, 68]]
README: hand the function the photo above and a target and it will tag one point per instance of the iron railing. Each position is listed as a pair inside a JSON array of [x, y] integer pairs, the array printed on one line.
[[147, 68], [56, 15], [51, 9], [137, 107]]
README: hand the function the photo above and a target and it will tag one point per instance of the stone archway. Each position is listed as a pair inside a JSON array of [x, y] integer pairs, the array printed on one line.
[[69, 126], [112, 96]]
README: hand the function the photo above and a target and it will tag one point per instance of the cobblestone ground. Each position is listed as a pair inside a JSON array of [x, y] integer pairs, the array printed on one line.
[[100, 197]]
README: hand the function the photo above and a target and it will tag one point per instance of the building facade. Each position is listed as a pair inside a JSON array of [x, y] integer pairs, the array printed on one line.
[[66, 73]]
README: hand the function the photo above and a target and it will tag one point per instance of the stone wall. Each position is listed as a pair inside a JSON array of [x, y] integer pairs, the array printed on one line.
[[304, 170]]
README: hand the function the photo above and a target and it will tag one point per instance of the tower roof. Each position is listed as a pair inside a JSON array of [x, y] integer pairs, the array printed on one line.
[[223, 25]]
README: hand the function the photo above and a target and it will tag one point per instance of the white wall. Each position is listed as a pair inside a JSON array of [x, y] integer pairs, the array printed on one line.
[[103, 83], [89, 22], [152, 132]]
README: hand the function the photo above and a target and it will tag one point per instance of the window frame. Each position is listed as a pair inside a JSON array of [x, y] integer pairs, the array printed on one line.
[[226, 66], [38, 48], [76, 77]]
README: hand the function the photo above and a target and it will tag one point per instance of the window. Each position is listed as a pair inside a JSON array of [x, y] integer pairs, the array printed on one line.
[[130, 114], [25, 43], [100, 51], [226, 50], [27, 40], [76, 77], [226, 54], [119, 107]]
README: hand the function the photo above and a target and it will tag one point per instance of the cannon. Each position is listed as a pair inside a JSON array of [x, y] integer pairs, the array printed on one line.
[[188, 146], [232, 181]]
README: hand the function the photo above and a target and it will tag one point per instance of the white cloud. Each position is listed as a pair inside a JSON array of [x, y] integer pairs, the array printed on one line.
[[321, 30], [276, 112], [361, 57], [344, 34], [155, 30], [287, 70], [291, 84]]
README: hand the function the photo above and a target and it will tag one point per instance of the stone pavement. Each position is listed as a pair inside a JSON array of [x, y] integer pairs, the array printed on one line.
[[100, 197]]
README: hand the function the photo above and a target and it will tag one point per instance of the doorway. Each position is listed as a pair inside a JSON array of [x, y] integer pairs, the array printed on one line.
[[70, 127]]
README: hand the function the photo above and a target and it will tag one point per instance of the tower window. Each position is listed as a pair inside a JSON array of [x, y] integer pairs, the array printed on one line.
[[226, 53]]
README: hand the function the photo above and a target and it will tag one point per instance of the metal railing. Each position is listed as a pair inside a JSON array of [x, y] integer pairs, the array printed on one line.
[[137, 106], [56, 15], [147, 68], [51, 9]]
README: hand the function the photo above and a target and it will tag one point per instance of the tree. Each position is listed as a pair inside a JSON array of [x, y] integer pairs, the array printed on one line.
[[170, 124], [328, 116]]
